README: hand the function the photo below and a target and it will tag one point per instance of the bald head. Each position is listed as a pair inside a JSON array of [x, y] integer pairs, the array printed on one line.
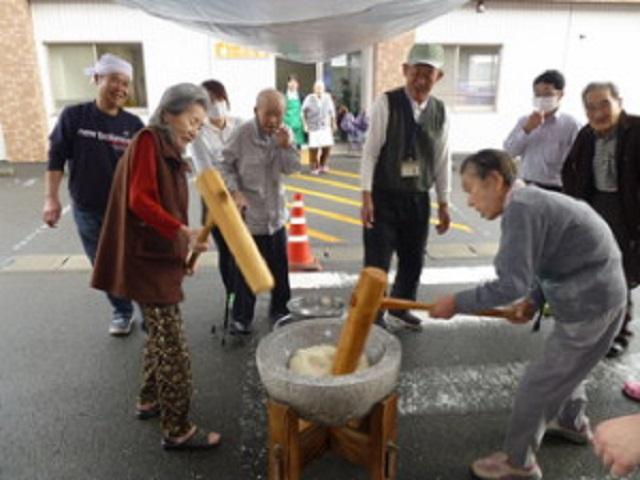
[[269, 109]]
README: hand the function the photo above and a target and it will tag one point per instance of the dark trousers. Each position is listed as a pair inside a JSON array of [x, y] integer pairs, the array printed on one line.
[[273, 249], [225, 259], [609, 206], [89, 224], [401, 225]]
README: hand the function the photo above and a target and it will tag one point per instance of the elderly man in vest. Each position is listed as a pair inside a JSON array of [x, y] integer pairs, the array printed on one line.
[[405, 154]]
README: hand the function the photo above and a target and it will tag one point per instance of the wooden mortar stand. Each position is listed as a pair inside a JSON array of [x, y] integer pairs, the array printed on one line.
[[370, 441]]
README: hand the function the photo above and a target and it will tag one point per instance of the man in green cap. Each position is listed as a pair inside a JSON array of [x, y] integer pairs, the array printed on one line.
[[405, 154]]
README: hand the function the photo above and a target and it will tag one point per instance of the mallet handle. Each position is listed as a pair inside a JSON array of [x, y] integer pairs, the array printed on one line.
[[390, 303], [202, 237]]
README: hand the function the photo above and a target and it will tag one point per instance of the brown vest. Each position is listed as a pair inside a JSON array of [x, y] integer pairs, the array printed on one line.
[[133, 260]]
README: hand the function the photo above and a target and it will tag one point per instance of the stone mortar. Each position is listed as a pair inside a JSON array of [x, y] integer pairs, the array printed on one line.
[[329, 401]]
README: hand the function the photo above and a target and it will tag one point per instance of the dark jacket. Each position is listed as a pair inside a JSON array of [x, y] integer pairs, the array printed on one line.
[[577, 172], [133, 260]]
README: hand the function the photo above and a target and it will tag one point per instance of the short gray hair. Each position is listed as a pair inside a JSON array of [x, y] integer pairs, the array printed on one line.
[[176, 99], [612, 87], [491, 160]]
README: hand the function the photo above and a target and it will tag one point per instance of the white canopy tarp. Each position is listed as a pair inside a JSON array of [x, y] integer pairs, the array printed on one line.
[[302, 30]]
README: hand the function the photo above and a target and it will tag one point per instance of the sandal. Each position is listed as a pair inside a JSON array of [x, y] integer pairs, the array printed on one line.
[[198, 441], [148, 413], [618, 347], [632, 390]]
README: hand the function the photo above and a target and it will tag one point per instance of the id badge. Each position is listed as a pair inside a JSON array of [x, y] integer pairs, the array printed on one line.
[[410, 169]]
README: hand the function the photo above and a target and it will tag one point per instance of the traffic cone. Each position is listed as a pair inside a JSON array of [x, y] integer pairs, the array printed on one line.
[[298, 248]]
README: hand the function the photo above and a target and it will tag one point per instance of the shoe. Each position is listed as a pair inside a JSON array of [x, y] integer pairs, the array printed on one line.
[[239, 328], [618, 347], [409, 319], [120, 326], [497, 467], [148, 413], [632, 390], [579, 437], [324, 169], [280, 320], [315, 171], [198, 441]]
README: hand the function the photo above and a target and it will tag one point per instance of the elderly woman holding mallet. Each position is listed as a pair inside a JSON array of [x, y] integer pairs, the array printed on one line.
[[554, 249], [142, 256]]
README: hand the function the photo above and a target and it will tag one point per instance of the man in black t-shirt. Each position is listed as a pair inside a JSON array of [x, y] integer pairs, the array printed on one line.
[[90, 138]]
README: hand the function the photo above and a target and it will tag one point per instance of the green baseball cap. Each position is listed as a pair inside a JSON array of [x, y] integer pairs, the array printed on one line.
[[426, 54]]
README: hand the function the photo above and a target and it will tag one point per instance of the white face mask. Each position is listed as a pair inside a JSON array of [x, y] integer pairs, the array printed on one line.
[[545, 104], [218, 110]]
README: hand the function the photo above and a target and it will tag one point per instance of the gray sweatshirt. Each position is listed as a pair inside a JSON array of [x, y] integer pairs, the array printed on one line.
[[554, 247], [254, 164]]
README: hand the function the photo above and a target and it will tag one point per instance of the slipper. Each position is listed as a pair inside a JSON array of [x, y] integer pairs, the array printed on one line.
[[632, 390], [198, 441], [148, 413]]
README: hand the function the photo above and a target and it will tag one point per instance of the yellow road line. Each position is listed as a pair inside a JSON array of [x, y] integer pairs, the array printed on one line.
[[334, 216], [325, 237], [344, 173], [326, 196], [324, 181]]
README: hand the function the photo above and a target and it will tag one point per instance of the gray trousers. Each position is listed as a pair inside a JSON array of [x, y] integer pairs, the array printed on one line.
[[552, 386]]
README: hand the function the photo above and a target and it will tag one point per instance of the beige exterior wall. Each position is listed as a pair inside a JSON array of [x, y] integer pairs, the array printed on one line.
[[22, 112], [388, 59]]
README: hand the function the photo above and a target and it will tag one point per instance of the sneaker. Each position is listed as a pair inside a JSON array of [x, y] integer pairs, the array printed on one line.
[[280, 320], [410, 320], [632, 390], [580, 437], [497, 467], [120, 326], [239, 328], [324, 169], [315, 171]]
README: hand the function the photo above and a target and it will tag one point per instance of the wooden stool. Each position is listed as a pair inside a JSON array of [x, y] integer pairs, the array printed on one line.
[[370, 441]]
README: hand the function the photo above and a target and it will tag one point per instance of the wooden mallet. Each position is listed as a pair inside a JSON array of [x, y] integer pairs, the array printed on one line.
[[224, 214]]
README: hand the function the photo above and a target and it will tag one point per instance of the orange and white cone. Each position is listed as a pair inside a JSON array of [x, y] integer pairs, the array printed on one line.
[[298, 248]]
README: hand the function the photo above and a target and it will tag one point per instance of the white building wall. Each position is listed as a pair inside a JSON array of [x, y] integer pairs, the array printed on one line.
[[585, 42], [171, 53]]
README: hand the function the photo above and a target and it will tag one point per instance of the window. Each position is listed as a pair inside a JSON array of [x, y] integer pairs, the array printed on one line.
[[470, 79], [69, 84]]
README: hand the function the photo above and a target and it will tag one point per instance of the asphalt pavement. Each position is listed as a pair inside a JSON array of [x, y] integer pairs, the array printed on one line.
[[67, 389]]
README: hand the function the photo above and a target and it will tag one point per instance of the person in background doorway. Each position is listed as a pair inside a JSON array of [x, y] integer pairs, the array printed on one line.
[[555, 248], [319, 119], [90, 138], [293, 110], [255, 160], [603, 168], [207, 153], [406, 153], [543, 138], [142, 256]]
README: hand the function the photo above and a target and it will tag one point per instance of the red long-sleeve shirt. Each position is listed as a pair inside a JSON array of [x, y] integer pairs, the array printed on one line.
[[144, 199]]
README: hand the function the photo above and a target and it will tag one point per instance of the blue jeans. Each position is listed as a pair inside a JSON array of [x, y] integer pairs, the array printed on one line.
[[89, 224]]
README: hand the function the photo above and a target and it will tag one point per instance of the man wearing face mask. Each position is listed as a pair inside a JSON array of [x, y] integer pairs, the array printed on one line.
[[207, 153], [259, 153], [603, 169], [543, 138]]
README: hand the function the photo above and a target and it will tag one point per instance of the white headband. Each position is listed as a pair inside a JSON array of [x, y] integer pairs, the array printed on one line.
[[108, 64]]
